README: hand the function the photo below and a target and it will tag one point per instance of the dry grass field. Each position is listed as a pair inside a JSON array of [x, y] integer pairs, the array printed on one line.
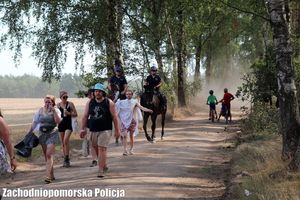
[[18, 112]]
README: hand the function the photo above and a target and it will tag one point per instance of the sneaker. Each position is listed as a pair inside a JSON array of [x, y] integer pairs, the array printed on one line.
[[94, 163], [48, 180], [125, 153], [67, 163], [131, 152], [105, 169], [100, 174]]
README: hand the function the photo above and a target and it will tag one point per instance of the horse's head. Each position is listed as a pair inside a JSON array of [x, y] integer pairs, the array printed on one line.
[[114, 92], [114, 87]]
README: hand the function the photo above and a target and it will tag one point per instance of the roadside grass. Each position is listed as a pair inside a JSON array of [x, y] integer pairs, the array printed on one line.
[[180, 113], [256, 168], [259, 173]]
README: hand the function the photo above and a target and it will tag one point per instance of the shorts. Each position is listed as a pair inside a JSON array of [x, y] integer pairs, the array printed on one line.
[[212, 106], [227, 106], [130, 129], [101, 138], [64, 125], [49, 138]]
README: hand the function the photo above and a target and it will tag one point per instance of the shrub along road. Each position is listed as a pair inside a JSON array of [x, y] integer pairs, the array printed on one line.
[[192, 162]]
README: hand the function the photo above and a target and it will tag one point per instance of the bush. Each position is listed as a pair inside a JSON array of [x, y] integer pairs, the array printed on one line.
[[262, 119]]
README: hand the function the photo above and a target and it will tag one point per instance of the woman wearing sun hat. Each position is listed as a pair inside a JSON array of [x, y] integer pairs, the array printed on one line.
[[68, 111], [101, 113]]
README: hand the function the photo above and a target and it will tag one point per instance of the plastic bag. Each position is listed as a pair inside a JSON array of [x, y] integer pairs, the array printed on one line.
[[75, 125]]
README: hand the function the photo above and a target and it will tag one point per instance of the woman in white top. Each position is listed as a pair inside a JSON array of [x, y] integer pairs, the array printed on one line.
[[127, 109]]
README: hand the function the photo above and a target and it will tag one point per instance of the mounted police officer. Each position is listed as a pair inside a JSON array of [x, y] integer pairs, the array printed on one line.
[[153, 83]]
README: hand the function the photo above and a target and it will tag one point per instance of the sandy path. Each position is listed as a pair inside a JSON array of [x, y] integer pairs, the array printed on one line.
[[190, 163]]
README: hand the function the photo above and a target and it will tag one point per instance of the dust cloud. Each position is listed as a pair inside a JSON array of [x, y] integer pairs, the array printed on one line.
[[232, 80]]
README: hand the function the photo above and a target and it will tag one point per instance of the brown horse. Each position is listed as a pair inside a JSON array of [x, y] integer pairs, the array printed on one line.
[[113, 94], [150, 100]]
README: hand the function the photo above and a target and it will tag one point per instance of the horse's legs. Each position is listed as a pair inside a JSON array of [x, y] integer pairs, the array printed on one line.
[[145, 120], [153, 119], [163, 118]]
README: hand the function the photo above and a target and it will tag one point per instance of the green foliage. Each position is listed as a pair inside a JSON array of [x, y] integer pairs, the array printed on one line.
[[192, 88], [227, 32], [168, 90], [262, 119], [50, 27], [260, 84]]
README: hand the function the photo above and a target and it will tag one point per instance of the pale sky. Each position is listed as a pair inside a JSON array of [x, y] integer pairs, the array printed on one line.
[[28, 65]]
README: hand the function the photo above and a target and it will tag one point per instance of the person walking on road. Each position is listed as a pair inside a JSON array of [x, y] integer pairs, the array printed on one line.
[[45, 126], [101, 113], [86, 144], [127, 110], [68, 111]]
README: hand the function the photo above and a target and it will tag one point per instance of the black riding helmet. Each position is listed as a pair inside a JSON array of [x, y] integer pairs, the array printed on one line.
[[211, 91]]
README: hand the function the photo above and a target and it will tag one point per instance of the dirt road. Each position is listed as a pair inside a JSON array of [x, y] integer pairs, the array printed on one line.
[[192, 162]]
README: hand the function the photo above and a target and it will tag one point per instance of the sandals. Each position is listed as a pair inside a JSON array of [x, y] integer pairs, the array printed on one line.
[[131, 152], [49, 180], [94, 163], [105, 169], [100, 174]]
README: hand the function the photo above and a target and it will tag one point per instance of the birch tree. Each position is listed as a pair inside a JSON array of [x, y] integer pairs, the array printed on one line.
[[289, 112]]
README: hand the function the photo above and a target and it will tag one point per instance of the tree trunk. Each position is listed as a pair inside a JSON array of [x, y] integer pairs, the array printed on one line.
[[198, 59], [295, 27], [286, 84], [113, 38], [157, 10], [170, 36], [158, 59], [208, 64], [180, 61]]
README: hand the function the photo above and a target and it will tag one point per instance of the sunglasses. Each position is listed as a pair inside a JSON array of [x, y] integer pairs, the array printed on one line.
[[47, 102], [65, 97]]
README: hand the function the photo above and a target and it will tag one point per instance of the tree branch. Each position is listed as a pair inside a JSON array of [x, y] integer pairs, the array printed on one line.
[[245, 11]]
